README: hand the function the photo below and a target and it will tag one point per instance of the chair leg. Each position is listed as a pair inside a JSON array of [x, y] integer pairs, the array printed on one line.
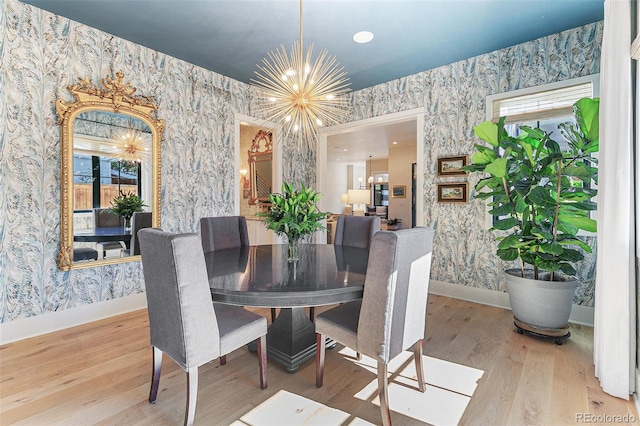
[[155, 374], [417, 355], [192, 395], [383, 394], [262, 360], [273, 315], [223, 360], [320, 352]]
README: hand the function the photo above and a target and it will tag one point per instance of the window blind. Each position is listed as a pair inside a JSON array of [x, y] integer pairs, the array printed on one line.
[[542, 105]]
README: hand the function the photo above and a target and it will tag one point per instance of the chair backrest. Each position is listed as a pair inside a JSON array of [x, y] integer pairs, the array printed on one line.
[[223, 232], [105, 218], [394, 304], [356, 231], [181, 315], [139, 220]]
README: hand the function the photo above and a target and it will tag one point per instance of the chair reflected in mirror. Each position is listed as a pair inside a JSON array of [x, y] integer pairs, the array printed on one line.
[[105, 218], [139, 220]]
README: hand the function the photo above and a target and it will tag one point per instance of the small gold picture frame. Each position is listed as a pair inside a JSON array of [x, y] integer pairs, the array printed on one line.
[[453, 192], [452, 166], [398, 191]]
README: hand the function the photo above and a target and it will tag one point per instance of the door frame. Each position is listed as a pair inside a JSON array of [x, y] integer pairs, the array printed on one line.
[[398, 117]]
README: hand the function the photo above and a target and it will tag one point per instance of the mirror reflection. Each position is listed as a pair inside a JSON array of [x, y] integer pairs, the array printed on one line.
[[112, 183], [110, 172], [261, 167]]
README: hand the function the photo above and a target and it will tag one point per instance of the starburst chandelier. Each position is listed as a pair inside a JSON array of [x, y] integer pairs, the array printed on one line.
[[133, 146], [299, 94]]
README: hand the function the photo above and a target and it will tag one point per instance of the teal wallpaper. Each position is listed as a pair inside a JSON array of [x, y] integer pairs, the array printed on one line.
[[42, 53]]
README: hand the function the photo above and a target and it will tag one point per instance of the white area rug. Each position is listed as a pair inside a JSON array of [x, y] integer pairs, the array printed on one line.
[[449, 389]]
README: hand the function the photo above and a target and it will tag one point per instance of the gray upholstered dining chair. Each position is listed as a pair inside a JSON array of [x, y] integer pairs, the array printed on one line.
[[356, 231], [223, 232], [390, 318], [139, 220], [105, 218], [184, 323]]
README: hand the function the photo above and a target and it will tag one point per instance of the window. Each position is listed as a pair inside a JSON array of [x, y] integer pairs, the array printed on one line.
[[544, 106], [99, 176]]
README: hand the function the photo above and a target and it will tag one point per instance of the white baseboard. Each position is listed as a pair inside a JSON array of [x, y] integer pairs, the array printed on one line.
[[579, 314], [53, 321]]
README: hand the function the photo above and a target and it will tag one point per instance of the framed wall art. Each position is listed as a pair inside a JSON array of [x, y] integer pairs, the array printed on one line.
[[453, 192], [398, 191], [452, 166]]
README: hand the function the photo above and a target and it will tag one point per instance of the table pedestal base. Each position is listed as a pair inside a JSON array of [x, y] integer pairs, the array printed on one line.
[[291, 339]]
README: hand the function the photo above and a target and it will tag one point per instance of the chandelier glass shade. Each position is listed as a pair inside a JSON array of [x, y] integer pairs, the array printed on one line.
[[299, 93]]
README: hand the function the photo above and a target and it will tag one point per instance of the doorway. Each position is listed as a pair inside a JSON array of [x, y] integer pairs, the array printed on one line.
[[352, 130]]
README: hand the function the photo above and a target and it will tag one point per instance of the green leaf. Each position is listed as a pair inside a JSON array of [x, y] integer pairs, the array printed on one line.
[[482, 157], [567, 269], [574, 241], [512, 241], [587, 111], [507, 254], [505, 224], [551, 248], [583, 223], [497, 167], [488, 132], [541, 196]]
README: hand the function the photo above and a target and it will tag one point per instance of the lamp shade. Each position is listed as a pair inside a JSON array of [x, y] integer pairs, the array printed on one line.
[[344, 198], [359, 196]]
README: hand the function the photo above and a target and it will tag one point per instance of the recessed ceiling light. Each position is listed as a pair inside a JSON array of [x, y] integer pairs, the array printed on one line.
[[345, 150], [363, 37], [395, 143]]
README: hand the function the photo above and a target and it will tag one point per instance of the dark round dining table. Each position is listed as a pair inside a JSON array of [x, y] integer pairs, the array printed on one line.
[[115, 233], [262, 276]]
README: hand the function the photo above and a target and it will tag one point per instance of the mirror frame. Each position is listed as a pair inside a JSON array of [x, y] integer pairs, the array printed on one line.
[[113, 96], [255, 155]]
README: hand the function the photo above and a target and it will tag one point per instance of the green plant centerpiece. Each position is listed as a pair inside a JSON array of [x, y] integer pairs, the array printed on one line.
[[542, 196], [124, 205], [294, 213]]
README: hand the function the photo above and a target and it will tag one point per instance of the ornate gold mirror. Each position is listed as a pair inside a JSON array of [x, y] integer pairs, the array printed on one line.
[[261, 167], [110, 158]]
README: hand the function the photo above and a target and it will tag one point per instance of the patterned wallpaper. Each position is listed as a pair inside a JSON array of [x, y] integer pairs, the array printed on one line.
[[42, 53], [454, 100]]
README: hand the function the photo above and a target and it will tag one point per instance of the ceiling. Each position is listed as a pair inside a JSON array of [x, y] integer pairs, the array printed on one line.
[[232, 37]]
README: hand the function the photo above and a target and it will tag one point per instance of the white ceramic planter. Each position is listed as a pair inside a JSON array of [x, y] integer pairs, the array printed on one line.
[[542, 304]]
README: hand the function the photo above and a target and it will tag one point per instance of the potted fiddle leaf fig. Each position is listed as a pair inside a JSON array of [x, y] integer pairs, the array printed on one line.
[[124, 205], [542, 196], [293, 213]]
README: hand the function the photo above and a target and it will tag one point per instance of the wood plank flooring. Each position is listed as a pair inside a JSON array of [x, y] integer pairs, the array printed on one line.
[[99, 373]]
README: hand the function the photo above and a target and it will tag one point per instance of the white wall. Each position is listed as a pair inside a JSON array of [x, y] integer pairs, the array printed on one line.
[[400, 159], [336, 185]]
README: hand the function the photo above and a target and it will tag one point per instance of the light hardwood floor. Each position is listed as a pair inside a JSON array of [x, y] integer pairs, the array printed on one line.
[[99, 373]]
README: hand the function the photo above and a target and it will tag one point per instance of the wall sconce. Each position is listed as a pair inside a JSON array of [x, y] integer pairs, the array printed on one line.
[[244, 183]]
